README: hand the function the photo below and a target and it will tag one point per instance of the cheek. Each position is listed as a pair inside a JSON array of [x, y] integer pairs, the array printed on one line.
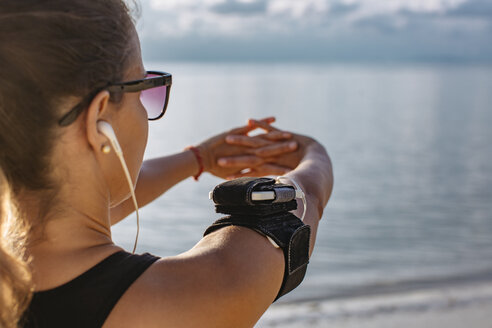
[[143, 125], [139, 138], [133, 132]]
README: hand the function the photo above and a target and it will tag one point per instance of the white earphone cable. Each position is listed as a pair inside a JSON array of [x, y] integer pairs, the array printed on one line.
[[119, 153]]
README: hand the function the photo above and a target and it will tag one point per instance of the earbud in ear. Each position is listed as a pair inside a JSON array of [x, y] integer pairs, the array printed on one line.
[[106, 129], [106, 149]]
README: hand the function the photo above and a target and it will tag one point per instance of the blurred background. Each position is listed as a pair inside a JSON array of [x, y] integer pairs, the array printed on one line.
[[400, 94]]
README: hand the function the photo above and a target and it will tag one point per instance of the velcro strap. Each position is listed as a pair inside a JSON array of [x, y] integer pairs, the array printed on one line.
[[290, 234]]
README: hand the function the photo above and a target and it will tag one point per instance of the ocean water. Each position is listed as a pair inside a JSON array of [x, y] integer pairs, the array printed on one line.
[[411, 146], [446, 307]]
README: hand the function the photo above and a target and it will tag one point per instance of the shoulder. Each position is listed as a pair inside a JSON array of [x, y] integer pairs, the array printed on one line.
[[208, 286]]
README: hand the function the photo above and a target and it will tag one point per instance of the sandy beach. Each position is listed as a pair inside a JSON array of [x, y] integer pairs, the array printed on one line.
[[447, 307]]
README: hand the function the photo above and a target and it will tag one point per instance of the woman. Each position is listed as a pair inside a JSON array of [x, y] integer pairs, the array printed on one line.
[[69, 67]]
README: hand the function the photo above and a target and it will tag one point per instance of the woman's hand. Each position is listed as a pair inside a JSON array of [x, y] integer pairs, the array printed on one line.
[[267, 155], [234, 153]]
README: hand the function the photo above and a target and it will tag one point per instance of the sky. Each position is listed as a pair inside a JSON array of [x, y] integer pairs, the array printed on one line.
[[316, 30]]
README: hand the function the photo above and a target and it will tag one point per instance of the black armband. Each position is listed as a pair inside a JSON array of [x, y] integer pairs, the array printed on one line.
[[269, 217]]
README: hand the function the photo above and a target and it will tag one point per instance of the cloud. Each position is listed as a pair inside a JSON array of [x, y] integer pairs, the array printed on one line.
[[342, 9], [226, 16], [231, 7], [316, 29], [473, 9]]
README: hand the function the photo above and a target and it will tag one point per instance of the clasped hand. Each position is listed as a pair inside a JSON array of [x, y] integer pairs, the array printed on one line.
[[236, 154]]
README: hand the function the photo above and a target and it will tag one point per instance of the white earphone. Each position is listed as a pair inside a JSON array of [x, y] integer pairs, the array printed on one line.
[[106, 129]]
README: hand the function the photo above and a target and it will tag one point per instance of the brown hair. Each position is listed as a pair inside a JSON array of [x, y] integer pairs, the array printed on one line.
[[50, 50], [15, 277]]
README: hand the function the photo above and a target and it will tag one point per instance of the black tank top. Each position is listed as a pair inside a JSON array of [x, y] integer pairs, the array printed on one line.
[[87, 300]]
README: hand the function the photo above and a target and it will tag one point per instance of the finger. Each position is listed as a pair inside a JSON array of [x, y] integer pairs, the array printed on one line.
[[242, 129], [271, 169], [250, 127], [277, 135], [276, 149], [239, 161], [262, 125], [247, 141], [251, 173], [262, 170], [268, 120]]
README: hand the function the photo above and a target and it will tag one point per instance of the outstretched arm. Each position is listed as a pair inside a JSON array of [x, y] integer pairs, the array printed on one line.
[[156, 177], [232, 275], [312, 171], [160, 174]]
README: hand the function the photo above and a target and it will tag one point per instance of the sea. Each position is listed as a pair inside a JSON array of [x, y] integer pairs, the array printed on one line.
[[411, 145]]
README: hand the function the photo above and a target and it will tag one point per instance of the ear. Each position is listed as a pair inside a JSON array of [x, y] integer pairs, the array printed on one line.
[[98, 110]]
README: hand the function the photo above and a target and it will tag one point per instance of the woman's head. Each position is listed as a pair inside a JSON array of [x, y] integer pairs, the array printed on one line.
[[54, 53]]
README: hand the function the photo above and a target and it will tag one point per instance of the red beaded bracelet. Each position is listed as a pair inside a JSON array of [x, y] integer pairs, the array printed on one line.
[[199, 159]]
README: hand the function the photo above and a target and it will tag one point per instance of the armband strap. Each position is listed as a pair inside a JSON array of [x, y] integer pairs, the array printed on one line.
[[269, 219]]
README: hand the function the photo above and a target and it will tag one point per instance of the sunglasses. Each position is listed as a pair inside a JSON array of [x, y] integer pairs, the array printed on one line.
[[154, 95]]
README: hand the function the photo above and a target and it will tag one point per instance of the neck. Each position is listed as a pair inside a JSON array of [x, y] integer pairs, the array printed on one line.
[[66, 227], [71, 230]]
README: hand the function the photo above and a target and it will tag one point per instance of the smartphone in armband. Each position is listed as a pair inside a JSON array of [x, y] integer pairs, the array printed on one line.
[[278, 193], [264, 205]]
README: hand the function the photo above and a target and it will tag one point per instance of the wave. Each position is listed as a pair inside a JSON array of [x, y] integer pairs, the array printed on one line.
[[440, 297], [391, 287]]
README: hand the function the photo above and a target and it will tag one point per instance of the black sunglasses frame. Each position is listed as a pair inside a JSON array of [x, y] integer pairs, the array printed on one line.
[[164, 79]]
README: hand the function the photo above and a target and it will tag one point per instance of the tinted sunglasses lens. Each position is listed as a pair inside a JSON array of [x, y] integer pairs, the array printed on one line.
[[154, 100]]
